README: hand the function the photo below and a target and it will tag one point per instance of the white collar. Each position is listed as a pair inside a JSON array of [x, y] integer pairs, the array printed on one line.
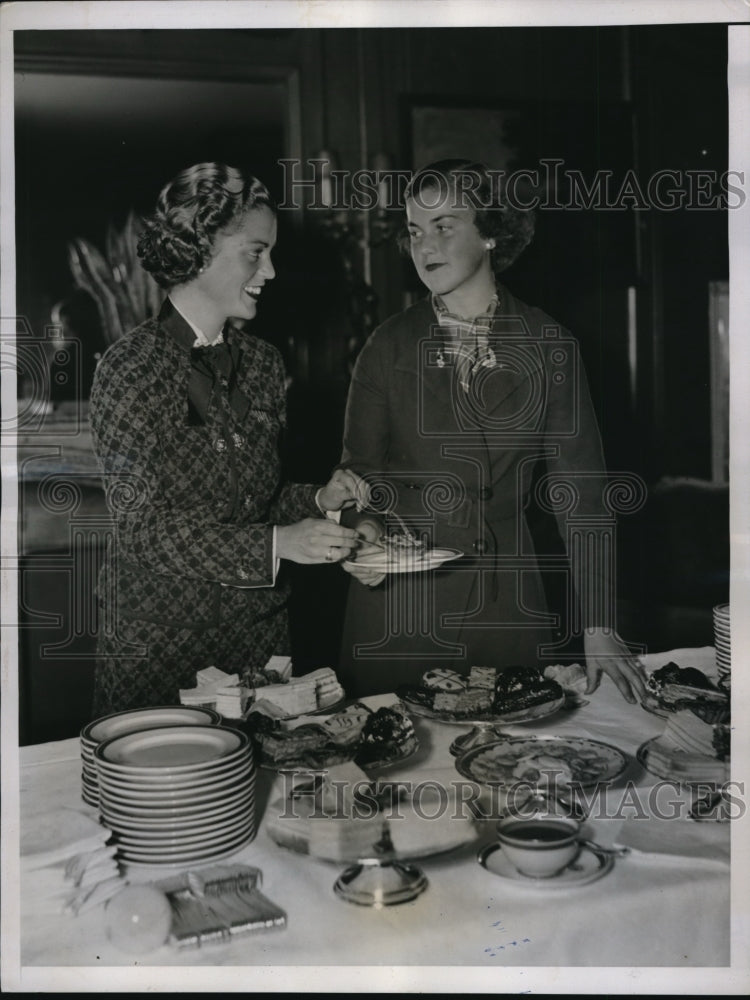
[[201, 340]]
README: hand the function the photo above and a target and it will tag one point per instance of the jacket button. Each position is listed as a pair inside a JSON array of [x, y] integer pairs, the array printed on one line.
[[486, 493], [480, 546], [220, 444], [238, 440]]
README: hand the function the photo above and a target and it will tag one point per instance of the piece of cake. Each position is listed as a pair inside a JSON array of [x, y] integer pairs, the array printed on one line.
[[570, 676], [691, 749], [295, 697], [404, 544], [483, 677], [676, 688], [328, 690], [446, 701], [474, 701], [387, 733], [441, 679], [346, 727], [519, 688]]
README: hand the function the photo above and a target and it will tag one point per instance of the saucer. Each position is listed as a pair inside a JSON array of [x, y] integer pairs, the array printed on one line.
[[587, 867]]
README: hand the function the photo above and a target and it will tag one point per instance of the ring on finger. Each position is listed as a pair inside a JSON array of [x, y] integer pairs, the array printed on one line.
[[330, 554]]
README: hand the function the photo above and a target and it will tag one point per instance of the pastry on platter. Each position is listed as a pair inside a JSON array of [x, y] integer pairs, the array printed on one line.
[[523, 687], [367, 734], [483, 693], [674, 688]]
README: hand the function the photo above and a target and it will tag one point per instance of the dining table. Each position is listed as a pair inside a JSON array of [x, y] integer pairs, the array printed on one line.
[[663, 905]]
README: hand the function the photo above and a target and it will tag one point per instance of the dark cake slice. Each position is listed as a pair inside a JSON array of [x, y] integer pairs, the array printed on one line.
[[523, 687]]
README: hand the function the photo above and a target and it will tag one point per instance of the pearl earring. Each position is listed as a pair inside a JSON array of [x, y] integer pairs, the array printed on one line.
[[490, 245]]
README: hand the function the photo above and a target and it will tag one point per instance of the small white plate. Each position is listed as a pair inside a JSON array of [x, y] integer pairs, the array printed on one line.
[[207, 798], [173, 748], [208, 852], [589, 866], [168, 793], [126, 822], [201, 812], [176, 840], [175, 782], [404, 562], [201, 805], [135, 719], [201, 860]]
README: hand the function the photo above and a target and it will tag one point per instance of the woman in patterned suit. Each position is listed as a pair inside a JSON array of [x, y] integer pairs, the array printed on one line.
[[455, 406], [186, 414]]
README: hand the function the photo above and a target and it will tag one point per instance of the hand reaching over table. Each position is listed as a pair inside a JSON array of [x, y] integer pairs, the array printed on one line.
[[606, 653]]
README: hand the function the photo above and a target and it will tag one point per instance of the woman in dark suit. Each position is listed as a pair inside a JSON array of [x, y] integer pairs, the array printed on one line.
[[454, 404], [186, 414]]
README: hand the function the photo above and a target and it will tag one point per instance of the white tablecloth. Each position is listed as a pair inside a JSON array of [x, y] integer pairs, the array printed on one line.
[[665, 905]]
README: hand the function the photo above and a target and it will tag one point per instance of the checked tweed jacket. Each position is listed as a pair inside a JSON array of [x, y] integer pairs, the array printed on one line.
[[191, 466]]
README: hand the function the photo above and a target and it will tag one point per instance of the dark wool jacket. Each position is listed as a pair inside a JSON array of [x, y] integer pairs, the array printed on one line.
[[461, 468], [192, 473]]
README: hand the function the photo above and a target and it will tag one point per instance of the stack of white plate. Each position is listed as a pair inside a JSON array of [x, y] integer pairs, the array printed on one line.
[[131, 721], [723, 644], [178, 795]]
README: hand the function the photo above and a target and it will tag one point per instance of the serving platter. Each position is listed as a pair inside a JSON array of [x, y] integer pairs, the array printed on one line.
[[403, 561], [564, 759], [529, 714], [318, 760]]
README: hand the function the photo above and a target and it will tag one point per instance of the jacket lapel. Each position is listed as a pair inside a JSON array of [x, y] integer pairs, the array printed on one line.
[[502, 392]]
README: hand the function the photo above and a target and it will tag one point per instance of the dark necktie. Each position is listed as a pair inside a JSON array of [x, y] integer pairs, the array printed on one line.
[[213, 369]]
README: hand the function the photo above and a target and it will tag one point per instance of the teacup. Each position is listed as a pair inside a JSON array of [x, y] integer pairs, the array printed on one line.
[[540, 846]]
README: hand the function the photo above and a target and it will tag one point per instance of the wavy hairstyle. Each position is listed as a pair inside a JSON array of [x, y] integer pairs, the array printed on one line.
[[178, 240], [481, 189]]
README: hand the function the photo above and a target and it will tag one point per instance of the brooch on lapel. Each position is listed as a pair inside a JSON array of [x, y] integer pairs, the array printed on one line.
[[263, 416]]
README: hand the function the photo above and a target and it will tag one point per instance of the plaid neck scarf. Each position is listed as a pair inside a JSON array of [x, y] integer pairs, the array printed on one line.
[[467, 339]]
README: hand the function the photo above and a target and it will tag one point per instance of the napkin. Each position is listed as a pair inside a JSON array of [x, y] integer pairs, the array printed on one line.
[[677, 841], [66, 865], [59, 835]]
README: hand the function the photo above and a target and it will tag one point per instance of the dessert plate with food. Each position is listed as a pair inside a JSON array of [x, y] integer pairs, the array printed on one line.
[[565, 760], [690, 750], [403, 553], [672, 689], [374, 733], [517, 694]]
